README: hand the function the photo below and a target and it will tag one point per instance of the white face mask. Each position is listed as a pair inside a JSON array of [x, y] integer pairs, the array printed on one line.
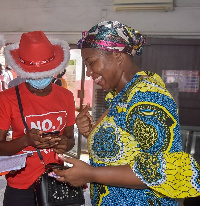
[[39, 83]]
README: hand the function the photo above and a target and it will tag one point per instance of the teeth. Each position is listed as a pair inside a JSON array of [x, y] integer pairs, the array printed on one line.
[[97, 80]]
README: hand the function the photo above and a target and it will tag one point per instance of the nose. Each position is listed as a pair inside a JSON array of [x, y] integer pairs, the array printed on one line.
[[88, 72]]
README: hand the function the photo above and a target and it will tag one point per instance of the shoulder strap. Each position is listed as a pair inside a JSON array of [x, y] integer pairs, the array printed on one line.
[[24, 121], [20, 107], [99, 120]]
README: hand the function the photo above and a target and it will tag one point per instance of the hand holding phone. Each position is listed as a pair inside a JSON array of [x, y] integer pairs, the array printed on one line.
[[56, 166], [54, 133]]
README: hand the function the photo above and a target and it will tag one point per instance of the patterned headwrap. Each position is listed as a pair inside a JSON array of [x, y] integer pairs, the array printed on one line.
[[113, 36]]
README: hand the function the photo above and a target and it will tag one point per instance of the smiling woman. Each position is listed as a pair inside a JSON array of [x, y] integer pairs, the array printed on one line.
[[135, 148]]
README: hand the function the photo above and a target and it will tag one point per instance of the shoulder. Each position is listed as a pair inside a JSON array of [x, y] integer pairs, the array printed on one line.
[[16, 81], [149, 83], [8, 94], [148, 92], [7, 91], [62, 90]]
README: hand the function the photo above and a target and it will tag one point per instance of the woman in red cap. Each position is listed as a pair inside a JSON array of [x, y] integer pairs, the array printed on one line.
[[47, 107]]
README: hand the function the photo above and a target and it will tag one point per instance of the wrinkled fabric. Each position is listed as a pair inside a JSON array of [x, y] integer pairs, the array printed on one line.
[[113, 36], [142, 129]]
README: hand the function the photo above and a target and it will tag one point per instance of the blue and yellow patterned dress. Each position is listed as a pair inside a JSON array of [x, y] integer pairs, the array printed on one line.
[[142, 129]]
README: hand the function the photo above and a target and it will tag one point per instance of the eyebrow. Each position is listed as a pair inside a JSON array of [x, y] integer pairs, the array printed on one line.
[[87, 58]]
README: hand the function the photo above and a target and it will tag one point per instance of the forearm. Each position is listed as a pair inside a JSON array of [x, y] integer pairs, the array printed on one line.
[[12, 147], [70, 143], [69, 137], [120, 176]]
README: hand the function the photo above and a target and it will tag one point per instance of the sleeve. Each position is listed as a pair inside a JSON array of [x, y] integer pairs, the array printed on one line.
[[71, 110], [161, 164]]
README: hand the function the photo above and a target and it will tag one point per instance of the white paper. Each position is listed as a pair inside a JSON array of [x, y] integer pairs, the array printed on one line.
[[14, 162]]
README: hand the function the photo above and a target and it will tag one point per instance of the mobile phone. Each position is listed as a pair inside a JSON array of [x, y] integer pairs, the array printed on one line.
[[56, 166], [50, 133]]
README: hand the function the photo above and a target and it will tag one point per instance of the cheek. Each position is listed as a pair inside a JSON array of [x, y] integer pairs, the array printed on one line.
[[109, 78], [99, 68], [110, 70]]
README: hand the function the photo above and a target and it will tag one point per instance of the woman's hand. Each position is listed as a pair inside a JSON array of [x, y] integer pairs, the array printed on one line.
[[62, 145], [34, 138], [77, 175], [66, 142], [82, 173], [84, 121]]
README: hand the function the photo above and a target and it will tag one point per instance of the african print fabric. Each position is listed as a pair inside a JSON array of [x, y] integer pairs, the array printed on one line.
[[113, 36], [142, 129]]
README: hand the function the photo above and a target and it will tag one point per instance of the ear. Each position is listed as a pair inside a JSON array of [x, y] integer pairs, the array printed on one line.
[[119, 56]]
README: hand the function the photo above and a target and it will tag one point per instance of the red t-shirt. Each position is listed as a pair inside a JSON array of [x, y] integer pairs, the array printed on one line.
[[48, 113]]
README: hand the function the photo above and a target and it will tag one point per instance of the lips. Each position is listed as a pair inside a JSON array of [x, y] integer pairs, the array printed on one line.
[[97, 80]]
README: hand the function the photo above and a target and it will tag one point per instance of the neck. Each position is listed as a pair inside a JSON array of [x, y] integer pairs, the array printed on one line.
[[39, 92], [129, 71]]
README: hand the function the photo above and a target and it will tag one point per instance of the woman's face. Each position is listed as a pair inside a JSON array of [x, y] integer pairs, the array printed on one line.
[[102, 66]]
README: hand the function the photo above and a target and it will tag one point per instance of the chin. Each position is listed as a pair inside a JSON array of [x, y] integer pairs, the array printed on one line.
[[106, 89]]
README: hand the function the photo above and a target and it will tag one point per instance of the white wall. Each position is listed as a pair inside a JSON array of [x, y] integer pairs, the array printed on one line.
[[66, 19]]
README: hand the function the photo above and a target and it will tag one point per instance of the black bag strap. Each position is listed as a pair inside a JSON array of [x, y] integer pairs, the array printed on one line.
[[20, 107], [24, 121]]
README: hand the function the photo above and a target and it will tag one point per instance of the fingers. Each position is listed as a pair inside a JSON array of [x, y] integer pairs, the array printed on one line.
[[59, 149], [84, 121], [84, 128], [77, 175], [84, 111], [35, 131], [49, 142], [52, 140], [90, 118], [46, 142], [86, 134], [68, 159], [60, 179], [36, 139], [33, 137]]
